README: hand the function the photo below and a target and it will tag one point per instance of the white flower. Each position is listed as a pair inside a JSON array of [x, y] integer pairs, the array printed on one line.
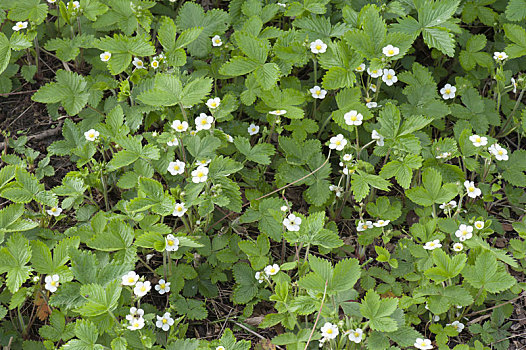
[[318, 46], [514, 84], [458, 247], [353, 118], [337, 142], [19, 26], [336, 189], [381, 223], [55, 211], [499, 152], [203, 122], [318, 92], [448, 91], [390, 50], [171, 243], [203, 162], [52, 283], [499, 56], [464, 232], [229, 138], [278, 112], [443, 155], [451, 204], [372, 87], [136, 323], [362, 226], [432, 245], [473, 192], [105, 56], [142, 288], [284, 208], [135, 313], [260, 277], [130, 279], [423, 344], [459, 326], [329, 330], [271, 270], [374, 73], [436, 318], [176, 168], [478, 140], [173, 142], [213, 103], [389, 77], [479, 225], [216, 41], [76, 5], [220, 347], [154, 64], [379, 138], [91, 135], [282, 5], [200, 174], [253, 129], [371, 104], [360, 68], [179, 209], [51, 1], [164, 322], [356, 335], [138, 63], [292, 222], [347, 157], [162, 287]]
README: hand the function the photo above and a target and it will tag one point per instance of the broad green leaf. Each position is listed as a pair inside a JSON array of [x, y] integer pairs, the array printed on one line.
[[488, 274], [378, 311], [13, 259], [5, 52]]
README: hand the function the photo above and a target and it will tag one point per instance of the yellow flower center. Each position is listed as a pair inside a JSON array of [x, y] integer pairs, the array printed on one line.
[[356, 334], [391, 52], [155, 64], [448, 91], [464, 233], [53, 283], [272, 270], [471, 188], [203, 122], [176, 167], [318, 92], [389, 76], [213, 104], [143, 289], [180, 127], [329, 331], [179, 208], [500, 152], [353, 118], [200, 174], [478, 139], [163, 286], [431, 244], [91, 135], [423, 344], [20, 25], [53, 209], [170, 242], [218, 41], [165, 320], [106, 57], [365, 227], [136, 325], [338, 142]]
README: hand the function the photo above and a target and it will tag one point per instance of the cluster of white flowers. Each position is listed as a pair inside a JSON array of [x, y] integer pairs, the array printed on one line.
[[91, 135], [318, 46], [353, 118], [135, 318], [132, 279], [448, 92], [337, 142], [473, 192], [52, 283], [318, 92], [54, 211], [253, 129], [365, 225], [171, 243], [292, 222]]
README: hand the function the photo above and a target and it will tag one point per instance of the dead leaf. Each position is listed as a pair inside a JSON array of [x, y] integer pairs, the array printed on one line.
[[265, 344], [43, 309]]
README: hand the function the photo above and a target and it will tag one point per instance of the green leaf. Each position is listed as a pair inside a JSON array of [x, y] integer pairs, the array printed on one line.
[[260, 153], [432, 191], [488, 274], [237, 66], [378, 311], [5, 52], [13, 259], [31, 10], [99, 300], [267, 75], [87, 334], [517, 35], [362, 182], [516, 10], [123, 48], [445, 267], [402, 171]]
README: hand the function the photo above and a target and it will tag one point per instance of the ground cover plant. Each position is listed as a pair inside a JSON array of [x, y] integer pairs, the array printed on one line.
[[248, 174]]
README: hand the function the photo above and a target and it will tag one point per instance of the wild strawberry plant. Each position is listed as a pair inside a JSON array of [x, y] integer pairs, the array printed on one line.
[[333, 174]]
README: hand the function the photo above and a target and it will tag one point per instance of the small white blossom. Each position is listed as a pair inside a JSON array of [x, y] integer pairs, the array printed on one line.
[[163, 287], [443, 155], [253, 129], [479, 225], [138, 63], [499, 56], [459, 326], [347, 157], [271, 270], [200, 174], [381, 223], [336, 189], [282, 5], [389, 77], [176, 168], [318, 92], [514, 84], [229, 138], [213, 103], [203, 122], [423, 344], [171, 243], [51, 1], [136, 323], [478, 141], [216, 41], [91, 135], [458, 247], [55, 211], [356, 335], [390, 50], [278, 112], [360, 68], [448, 92], [260, 277], [499, 152], [284, 208], [130, 279], [372, 87], [173, 142], [179, 209], [292, 222], [52, 283], [473, 192], [220, 347], [75, 5], [318, 46], [154, 64], [329, 330], [371, 104], [353, 118], [19, 26], [337, 142], [142, 288], [464, 232], [362, 226], [451, 204], [164, 322], [375, 73], [105, 56], [379, 138], [432, 245], [135, 314], [203, 162]]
